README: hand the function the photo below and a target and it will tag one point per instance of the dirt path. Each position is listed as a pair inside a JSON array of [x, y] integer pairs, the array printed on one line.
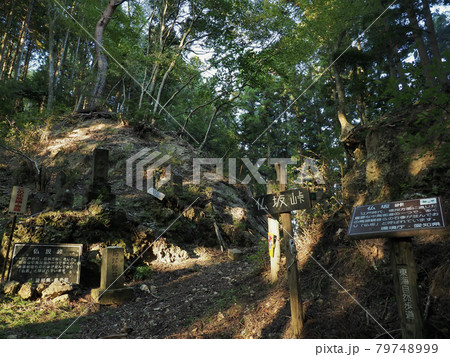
[[207, 297]]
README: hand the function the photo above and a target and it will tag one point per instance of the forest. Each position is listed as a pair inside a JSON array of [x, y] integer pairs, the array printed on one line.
[[358, 89]]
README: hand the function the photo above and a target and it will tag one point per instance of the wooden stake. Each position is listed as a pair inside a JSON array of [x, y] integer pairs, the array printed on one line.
[[405, 281], [291, 263], [219, 237], [9, 247]]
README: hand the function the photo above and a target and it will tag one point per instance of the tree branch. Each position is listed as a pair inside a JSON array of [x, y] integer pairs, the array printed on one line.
[[17, 152]]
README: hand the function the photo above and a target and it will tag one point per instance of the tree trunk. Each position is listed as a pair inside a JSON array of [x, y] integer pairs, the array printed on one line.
[[27, 59], [360, 92], [16, 52], [176, 93], [181, 46], [102, 60], [21, 42], [61, 60], [434, 43], [417, 36], [346, 127], [74, 63], [5, 37], [390, 51], [8, 61], [51, 57], [161, 86], [216, 110]]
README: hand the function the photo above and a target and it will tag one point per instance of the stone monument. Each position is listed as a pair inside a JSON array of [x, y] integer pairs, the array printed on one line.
[[99, 187], [111, 289]]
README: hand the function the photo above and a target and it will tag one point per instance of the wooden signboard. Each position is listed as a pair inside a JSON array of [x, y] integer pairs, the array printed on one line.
[[17, 207], [400, 221], [18, 202], [397, 219], [46, 263], [282, 202]]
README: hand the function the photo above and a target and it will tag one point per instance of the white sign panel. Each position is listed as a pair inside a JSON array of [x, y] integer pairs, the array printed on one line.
[[18, 203]]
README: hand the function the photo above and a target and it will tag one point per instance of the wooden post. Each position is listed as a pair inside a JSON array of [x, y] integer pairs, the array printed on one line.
[[291, 262], [274, 230], [5, 263], [405, 281]]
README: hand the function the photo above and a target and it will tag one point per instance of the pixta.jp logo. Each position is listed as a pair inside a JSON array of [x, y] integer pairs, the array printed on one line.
[[308, 171], [145, 159], [149, 165]]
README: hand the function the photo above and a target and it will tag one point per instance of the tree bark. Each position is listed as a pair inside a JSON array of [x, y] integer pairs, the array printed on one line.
[[27, 59], [61, 60], [5, 37], [176, 93], [102, 60], [346, 127], [417, 36], [433, 42], [216, 110], [21, 42], [51, 56], [180, 48], [161, 86], [8, 63]]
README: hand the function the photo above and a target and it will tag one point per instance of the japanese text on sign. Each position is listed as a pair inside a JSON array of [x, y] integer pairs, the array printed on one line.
[[18, 202], [46, 263], [282, 202], [390, 218], [406, 293]]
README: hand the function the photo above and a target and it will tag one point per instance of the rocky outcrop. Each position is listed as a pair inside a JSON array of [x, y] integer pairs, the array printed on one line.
[[167, 252]]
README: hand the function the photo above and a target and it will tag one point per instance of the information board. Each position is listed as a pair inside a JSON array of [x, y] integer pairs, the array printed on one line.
[[46, 263], [397, 219], [282, 202]]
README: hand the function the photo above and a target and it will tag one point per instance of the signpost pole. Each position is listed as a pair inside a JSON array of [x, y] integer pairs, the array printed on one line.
[[275, 257], [274, 230], [404, 270], [291, 262], [9, 247]]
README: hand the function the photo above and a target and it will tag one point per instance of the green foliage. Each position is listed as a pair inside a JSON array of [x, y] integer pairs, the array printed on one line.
[[143, 272], [266, 73], [260, 259], [30, 318]]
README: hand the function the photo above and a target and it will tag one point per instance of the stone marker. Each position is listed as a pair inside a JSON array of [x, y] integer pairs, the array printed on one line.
[[235, 254], [112, 267], [64, 196], [101, 164], [99, 182], [111, 289]]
